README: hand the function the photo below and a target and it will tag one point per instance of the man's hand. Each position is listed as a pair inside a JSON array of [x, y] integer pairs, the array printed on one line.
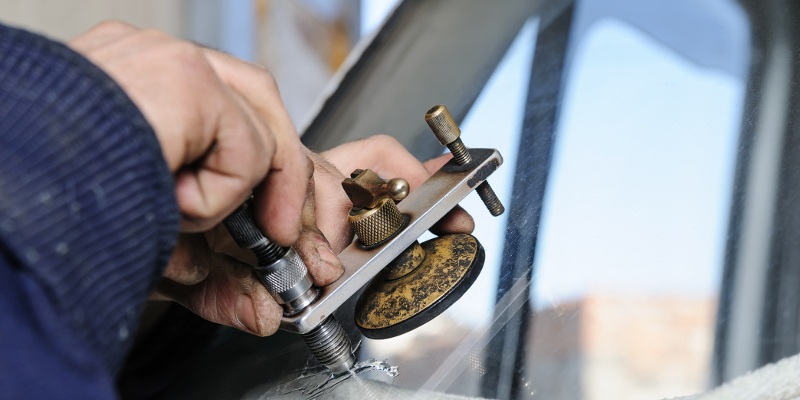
[[387, 157], [221, 279], [224, 133], [220, 121]]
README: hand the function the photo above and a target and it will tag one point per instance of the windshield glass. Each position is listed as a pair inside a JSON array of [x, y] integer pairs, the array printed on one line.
[[629, 243], [646, 250]]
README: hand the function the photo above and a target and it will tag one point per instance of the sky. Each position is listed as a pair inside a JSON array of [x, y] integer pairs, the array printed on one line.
[[638, 195], [641, 182]]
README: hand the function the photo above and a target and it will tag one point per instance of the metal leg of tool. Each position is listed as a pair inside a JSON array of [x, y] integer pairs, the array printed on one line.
[[287, 279]]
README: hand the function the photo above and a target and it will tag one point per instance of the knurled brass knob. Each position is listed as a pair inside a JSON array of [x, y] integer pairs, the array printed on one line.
[[442, 124], [366, 189], [447, 132], [375, 225]]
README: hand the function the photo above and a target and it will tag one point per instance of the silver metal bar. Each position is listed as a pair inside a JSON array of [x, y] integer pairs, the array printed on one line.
[[425, 206]]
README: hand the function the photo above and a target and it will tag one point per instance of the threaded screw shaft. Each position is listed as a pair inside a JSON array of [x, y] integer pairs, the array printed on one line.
[[328, 342], [269, 252], [331, 346], [460, 152], [241, 224], [489, 198]]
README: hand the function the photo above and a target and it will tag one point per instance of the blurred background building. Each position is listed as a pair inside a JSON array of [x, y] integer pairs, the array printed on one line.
[[606, 347]]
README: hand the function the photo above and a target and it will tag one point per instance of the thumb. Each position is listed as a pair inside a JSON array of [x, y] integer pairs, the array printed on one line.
[[230, 294], [314, 248]]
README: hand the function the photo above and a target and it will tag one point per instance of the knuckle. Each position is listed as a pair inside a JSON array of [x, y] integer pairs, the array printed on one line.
[[154, 34], [184, 59], [266, 151], [270, 142], [187, 53], [303, 166], [175, 51], [200, 212], [383, 141], [204, 215], [112, 27], [267, 78], [262, 156]]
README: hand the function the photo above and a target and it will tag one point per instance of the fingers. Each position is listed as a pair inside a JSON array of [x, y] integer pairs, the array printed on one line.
[[331, 203], [224, 290], [219, 144], [280, 199], [226, 174], [229, 294], [434, 164], [190, 262], [456, 220], [224, 132], [314, 249]]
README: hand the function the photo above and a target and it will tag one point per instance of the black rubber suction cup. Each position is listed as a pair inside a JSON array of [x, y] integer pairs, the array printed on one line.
[[403, 297]]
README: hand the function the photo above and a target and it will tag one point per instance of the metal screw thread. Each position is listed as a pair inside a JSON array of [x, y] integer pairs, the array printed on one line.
[[490, 199], [331, 346], [241, 224], [460, 152], [462, 156], [268, 252]]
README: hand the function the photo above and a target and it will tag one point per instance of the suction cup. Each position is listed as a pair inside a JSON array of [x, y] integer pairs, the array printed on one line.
[[392, 305]]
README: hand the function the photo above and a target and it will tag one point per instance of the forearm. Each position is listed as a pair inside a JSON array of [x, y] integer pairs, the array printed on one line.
[[88, 215]]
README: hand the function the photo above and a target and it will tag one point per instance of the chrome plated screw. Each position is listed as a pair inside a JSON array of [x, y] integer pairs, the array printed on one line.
[[286, 277]]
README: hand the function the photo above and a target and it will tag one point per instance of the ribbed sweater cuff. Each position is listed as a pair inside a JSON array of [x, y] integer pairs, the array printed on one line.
[[87, 203]]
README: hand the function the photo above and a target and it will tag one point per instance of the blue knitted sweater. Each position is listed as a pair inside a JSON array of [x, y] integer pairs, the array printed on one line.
[[88, 220]]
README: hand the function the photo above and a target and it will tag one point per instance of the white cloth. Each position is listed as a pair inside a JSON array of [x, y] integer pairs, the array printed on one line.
[[778, 381]]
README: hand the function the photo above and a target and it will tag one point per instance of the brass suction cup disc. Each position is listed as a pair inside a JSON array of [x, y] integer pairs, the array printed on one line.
[[388, 308]]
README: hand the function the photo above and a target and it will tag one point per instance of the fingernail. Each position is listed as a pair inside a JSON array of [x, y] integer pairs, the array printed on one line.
[[327, 255], [246, 313]]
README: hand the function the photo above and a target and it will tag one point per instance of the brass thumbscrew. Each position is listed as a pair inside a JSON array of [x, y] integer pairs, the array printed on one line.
[[448, 133]]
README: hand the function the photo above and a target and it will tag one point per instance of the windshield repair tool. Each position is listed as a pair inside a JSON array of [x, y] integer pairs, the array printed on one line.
[[286, 278], [409, 283], [425, 279]]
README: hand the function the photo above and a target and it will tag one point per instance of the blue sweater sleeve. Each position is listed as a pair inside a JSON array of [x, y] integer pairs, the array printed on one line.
[[88, 220]]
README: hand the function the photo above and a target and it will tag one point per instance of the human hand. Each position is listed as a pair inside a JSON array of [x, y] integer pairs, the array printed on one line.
[[213, 277], [221, 123], [225, 133], [227, 280], [387, 157]]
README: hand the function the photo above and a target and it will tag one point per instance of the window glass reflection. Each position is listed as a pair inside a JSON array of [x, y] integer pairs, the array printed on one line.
[[628, 264], [494, 121]]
